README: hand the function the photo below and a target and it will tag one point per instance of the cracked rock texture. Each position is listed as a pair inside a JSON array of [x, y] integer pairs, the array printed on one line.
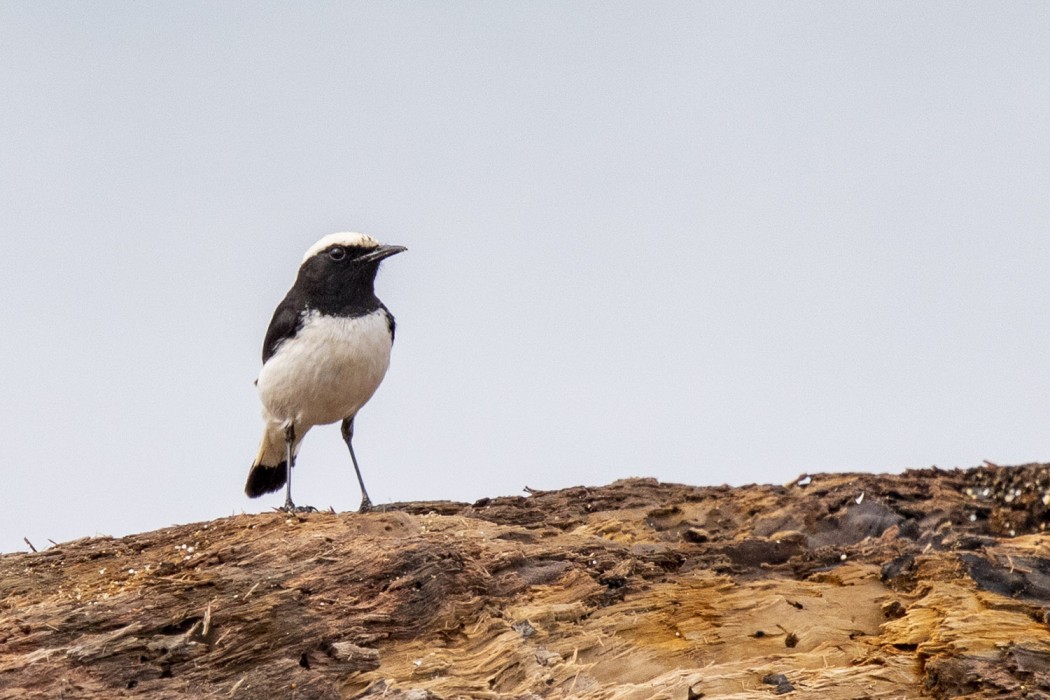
[[931, 583]]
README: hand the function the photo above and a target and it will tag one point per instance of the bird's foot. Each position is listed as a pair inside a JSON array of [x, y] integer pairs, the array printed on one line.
[[292, 508], [366, 505]]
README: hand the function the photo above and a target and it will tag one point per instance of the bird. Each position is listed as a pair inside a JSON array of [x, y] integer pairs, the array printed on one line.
[[325, 353]]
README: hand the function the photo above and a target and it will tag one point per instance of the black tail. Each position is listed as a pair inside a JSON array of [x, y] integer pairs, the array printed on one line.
[[264, 479]]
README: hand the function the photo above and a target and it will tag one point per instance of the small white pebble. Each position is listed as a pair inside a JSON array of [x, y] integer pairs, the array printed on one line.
[[190, 549], [417, 662], [101, 571], [804, 481], [842, 557], [132, 572], [973, 517], [860, 498], [1013, 534]]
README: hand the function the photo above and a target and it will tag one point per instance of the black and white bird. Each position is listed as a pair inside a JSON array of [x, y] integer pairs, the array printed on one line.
[[326, 351]]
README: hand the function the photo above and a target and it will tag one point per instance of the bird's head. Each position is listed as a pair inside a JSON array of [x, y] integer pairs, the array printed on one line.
[[344, 265]]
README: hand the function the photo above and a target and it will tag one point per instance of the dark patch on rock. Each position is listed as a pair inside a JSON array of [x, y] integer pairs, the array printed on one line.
[[780, 681], [1023, 578], [854, 523], [755, 553], [899, 572]]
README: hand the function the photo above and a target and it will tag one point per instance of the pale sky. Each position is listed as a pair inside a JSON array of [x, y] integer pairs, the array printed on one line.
[[707, 242]]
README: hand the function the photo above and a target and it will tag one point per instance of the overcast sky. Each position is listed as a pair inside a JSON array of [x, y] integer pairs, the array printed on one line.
[[704, 242]]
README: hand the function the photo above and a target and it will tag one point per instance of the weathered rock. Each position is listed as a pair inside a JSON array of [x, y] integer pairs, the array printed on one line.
[[930, 583]]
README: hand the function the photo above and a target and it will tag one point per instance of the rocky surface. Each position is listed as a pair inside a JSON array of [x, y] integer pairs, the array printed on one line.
[[927, 584]]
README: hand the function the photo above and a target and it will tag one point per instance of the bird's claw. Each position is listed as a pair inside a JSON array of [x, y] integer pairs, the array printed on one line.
[[292, 508]]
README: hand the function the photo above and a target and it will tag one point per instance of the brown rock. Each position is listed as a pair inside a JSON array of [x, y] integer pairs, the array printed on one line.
[[929, 583]]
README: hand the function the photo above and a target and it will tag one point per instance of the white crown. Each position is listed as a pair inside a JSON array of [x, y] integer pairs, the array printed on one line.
[[358, 240]]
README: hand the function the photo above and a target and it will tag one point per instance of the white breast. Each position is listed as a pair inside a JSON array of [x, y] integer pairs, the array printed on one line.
[[327, 371]]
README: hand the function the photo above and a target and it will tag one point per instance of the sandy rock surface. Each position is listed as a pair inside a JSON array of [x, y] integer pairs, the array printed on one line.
[[931, 583]]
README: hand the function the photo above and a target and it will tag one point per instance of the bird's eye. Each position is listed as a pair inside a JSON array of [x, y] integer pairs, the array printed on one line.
[[337, 253]]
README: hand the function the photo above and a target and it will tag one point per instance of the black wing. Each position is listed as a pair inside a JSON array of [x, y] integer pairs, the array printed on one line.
[[390, 323], [286, 322]]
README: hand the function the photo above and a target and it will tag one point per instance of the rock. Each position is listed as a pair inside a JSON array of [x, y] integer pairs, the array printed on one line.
[[356, 658], [928, 583]]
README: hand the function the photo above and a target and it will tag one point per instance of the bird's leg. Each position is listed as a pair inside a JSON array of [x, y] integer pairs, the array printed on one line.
[[289, 462], [348, 437], [289, 458]]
